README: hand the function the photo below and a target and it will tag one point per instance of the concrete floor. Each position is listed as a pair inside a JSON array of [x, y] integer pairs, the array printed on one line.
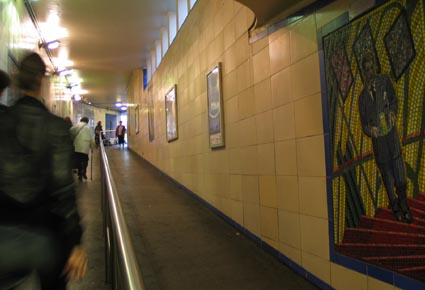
[[179, 242]]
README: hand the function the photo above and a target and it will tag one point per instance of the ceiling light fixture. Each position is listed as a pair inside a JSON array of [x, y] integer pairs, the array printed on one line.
[[49, 45], [65, 72]]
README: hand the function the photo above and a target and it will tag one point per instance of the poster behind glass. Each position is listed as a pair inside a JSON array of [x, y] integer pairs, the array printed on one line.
[[215, 107], [171, 114]]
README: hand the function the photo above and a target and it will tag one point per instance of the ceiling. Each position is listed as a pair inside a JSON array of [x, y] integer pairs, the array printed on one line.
[[107, 39]]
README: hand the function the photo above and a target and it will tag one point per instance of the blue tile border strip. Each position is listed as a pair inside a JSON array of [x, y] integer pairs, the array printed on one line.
[[266, 247]]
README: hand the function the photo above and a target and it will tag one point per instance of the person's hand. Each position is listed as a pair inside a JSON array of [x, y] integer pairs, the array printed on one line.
[[76, 266], [374, 131]]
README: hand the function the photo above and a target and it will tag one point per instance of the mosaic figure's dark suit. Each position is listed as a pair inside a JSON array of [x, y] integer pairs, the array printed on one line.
[[378, 108]]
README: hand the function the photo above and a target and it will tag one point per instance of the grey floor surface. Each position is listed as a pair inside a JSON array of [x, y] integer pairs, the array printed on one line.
[[88, 193], [179, 242]]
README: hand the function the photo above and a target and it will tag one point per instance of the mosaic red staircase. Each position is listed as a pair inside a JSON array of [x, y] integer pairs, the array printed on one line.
[[387, 243]]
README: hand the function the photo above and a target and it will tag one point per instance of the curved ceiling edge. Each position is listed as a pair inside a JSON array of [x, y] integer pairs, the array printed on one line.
[[267, 10]]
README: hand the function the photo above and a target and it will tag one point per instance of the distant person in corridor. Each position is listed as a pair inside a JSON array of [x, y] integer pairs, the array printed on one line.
[[39, 222], [98, 133], [83, 143], [120, 133], [378, 110]]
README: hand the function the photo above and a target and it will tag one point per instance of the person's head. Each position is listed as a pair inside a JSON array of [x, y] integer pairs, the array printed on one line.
[[68, 121], [120, 122], [369, 66], [99, 123], [31, 72], [84, 119], [4, 81]]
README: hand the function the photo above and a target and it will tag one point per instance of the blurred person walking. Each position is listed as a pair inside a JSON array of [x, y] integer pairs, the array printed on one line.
[[83, 143], [69, 122], [98, 133], [4, 82], [39, 222], [120, 133]]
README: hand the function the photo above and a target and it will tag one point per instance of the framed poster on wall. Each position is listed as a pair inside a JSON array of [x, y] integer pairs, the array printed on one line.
[[136, 119], [151, 126], [171, 114], [215, 107]]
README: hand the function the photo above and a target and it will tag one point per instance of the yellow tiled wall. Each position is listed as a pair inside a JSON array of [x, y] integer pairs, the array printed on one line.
[[18, 36], [270, 177]]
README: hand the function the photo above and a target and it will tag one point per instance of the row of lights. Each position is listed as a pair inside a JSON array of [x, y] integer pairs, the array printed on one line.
[[74, 83], [52, 32]]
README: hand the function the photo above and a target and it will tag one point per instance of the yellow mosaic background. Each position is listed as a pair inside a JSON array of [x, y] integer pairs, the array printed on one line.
[[346, 121]]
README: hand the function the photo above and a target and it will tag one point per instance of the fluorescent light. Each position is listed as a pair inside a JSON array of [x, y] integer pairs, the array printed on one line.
[[118, 104], [65, 72], [53, 44]]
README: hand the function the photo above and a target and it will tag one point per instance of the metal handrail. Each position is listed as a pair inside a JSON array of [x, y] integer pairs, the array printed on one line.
[[122, 269]]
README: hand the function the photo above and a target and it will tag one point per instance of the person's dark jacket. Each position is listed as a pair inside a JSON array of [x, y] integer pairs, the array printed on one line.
[[36, 182]]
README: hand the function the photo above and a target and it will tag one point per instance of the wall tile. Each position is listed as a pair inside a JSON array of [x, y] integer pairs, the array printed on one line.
[[303, 38], [263, 96], [251, 217], [231, 135], [235, 188], [375, 284], [343, 278], [247, 132], [249, 160], [308, 116], [261, 62], [266, 159], [310, 156], [229, 84], [319, 266], [264, 122], [281, 88], [237, 212], [246, 103], [231, 110], [268, 191], [269, 223], [286, 158], [284, 122], [290, 252], [305, 77], [280, 54], [218, 162], [244, 75], [315, 236], [259, 45], [313, 196], [289, 229], [229, 35], [234, 161], [287, 193], [250, 189]]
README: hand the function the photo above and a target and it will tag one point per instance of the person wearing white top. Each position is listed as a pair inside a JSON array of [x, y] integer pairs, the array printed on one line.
[[82, 135]]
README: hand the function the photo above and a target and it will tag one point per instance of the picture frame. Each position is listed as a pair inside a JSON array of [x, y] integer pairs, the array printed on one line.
[[151, 125], [136, 119], [171, 114], [215, 107]]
